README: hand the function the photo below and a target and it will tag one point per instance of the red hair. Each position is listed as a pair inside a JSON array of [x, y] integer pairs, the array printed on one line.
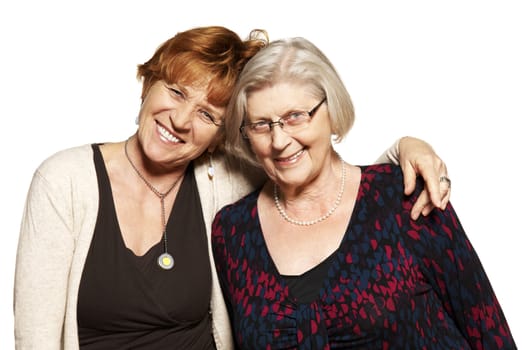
[[211, 57]]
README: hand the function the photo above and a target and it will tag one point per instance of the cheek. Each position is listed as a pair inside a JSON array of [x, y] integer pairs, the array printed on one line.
[[157, 102], [259, 150], [204, 138], [148, 111], [317, 135], [217, 141]]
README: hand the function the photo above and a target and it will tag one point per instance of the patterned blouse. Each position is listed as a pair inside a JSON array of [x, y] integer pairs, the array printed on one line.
[[393, 283]]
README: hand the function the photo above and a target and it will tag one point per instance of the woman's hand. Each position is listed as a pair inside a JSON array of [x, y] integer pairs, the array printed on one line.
[[418, 157]]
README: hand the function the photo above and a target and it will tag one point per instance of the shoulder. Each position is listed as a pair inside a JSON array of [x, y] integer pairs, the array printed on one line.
[[241, 211], [67, 169], [382, 189], [389, 178], [386, 179], [381, 172], [246, 203], [232, 179], [75, 159]]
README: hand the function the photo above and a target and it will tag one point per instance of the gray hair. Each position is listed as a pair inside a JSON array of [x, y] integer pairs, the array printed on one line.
[[294, 60]]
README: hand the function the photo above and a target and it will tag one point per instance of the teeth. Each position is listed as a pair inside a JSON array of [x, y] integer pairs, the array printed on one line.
[[294, 157], [167, 134]]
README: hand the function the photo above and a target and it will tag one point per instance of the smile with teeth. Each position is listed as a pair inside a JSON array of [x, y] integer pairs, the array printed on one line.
[[167, 135], [292, 158]]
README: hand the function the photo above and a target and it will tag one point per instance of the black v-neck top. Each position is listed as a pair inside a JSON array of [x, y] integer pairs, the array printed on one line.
[[127, 301]]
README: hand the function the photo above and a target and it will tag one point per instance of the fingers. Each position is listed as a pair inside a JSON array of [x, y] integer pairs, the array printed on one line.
[[434, 190], [444, 189], [427, 209], [418, 158], [409, 178], [437, 183], [444, 196], [433, 186], [443, 186], [423, 205]]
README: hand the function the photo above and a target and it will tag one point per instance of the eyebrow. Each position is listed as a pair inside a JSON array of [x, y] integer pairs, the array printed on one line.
[[205, 104], [214, 110], [282, 115]]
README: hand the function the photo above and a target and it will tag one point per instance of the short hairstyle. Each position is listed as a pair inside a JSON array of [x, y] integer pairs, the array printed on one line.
[[294, 60], [209, 57]]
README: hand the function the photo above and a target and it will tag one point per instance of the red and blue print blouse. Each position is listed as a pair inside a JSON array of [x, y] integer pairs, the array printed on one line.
[[393, 283]]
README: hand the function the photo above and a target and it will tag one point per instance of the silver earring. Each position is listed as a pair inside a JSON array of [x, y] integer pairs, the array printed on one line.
[[210, 167], [137, 120]]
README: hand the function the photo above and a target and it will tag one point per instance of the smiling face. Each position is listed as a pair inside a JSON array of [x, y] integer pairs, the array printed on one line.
[[297, 159], [177, 124]]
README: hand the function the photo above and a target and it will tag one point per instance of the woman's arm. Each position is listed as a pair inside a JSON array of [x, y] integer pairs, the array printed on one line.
[[43, 262], [455, 272], [417, 157]]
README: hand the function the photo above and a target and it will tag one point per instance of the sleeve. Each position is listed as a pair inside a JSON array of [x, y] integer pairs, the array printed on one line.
[[219, 250], [391, 155], [456, 273], [221, 261], [44, 256]]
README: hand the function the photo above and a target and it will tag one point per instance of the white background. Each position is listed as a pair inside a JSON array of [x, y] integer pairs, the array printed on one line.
[[447, 71]]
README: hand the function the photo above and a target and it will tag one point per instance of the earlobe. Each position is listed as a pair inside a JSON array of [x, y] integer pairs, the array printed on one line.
[[211, 148]]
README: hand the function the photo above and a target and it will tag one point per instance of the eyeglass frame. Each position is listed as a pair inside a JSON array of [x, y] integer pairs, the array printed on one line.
[[280, 121]]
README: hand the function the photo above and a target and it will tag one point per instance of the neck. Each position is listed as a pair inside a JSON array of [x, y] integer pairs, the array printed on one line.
[[326, 211], [161, 174], [151, 179]]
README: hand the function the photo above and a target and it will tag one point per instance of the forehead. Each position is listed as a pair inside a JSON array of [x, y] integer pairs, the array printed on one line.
[[197, 91], [194, 94], [278, 99], [217, 90]]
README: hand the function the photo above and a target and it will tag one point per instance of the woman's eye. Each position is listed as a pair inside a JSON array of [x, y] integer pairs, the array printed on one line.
[[207, 116], [295, 115], [176, 92], [259, 126]]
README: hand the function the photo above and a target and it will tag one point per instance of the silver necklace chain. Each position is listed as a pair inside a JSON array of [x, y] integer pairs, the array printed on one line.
[[321, 218], [156, 192]]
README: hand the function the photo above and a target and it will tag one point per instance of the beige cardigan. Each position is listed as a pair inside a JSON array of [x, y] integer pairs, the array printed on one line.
[[57, 226]]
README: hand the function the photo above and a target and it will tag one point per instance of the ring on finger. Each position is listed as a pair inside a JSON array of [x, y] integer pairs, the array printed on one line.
[[444, 178]]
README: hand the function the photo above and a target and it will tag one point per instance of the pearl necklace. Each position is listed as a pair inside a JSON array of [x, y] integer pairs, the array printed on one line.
[[165, 260], [321, 218]]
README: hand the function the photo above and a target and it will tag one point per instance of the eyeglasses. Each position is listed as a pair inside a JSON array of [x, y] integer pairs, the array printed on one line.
[[292, 122]]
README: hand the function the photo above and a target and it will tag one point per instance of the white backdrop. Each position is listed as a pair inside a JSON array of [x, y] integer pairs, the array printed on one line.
[[448, 71]]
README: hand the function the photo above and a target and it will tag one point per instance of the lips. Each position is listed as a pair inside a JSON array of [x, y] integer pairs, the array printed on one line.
[[292, 159]]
